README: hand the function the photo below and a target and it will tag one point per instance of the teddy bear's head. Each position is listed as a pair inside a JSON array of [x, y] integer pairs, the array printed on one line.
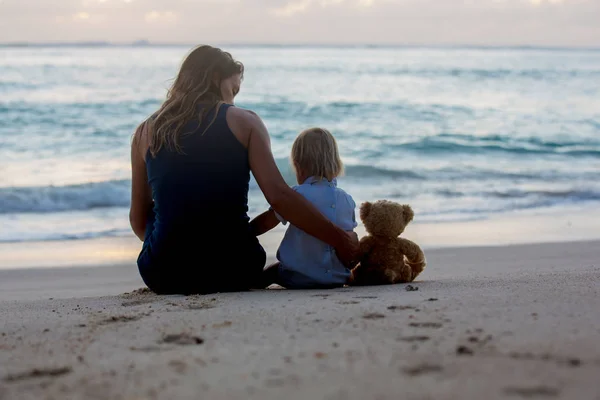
[[385, 218]]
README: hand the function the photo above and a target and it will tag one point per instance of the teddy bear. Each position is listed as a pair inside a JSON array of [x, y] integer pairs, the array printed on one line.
[[386, 258]]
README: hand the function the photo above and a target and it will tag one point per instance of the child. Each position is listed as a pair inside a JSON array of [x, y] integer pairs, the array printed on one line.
[[304, 261]]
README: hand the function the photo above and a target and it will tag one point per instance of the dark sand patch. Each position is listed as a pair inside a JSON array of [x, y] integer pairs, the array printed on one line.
[[373, 316], [422, 369], [432, 325], [182, 339], [401, 308], [566, 361], [121, 318], [412, 339], [464, 351], [532, 392], [39, 373]]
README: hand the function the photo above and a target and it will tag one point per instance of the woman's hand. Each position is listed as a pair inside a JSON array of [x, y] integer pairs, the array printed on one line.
[[348, 251]]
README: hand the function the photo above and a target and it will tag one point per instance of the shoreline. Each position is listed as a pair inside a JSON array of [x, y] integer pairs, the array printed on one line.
[[516, 228], [99, 280]]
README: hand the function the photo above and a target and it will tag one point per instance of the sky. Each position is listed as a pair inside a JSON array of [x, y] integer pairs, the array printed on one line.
[[571, 23]]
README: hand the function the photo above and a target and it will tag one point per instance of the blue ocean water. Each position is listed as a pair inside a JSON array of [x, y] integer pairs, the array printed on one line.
[[459, 133]]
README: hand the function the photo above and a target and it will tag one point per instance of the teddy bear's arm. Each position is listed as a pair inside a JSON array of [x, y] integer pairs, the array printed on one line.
[[415, 258], [366, 245], [360, 274]]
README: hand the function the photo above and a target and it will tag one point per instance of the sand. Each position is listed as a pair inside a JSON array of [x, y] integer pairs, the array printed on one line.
[[518, 322]]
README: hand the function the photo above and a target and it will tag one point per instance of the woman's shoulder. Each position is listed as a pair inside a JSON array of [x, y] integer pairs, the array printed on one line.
[[242, 115], [140, 141], [244, 123]]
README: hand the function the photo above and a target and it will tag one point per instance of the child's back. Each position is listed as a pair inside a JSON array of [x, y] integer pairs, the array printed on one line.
[[305, 261]]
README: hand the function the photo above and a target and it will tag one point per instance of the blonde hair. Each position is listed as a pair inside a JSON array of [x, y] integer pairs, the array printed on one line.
[[195, 92], [315, 153]]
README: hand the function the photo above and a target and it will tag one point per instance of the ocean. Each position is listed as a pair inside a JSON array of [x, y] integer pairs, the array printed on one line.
[[459, 133]]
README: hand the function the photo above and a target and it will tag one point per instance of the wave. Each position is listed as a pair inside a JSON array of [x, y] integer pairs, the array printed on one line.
[[44, 199], [507, 202], [562, 196], [479, 74], [116, 193], [283, 108], [367, 171], [352, 172], [571, 195], [58, 236], [452, 144], [360, 178]]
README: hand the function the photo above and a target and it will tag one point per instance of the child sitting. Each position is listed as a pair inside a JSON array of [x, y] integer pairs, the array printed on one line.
[[304, 261]]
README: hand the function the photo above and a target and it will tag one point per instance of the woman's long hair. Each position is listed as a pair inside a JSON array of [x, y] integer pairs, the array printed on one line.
[[195, 92]]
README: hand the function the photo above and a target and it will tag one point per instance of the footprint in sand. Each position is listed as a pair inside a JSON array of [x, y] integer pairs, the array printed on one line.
[[464, 351], [532, 392], [373, 316], [182, 339], [422, 369], [39, 373], [147, 349], [401, 308], [223, 324], [200, 306], [432, 325], [567, 361], [412, 339], [138, 292], [133, 303], [121, 318]]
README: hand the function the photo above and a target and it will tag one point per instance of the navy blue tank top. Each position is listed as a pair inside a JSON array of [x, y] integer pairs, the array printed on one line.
[[200, 195]]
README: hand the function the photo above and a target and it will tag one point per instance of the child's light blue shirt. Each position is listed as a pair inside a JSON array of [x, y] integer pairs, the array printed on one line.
[[305, 261]]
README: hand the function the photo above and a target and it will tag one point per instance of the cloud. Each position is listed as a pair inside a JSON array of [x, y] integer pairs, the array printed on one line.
[[482, 22], [366, 3], [540, 2], [84, 17], [291, 8], [160, 17], [81, 16], [302, 6]]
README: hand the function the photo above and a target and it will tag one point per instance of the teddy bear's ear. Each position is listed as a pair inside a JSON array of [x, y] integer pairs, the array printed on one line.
[[365, 209], [408, 213]]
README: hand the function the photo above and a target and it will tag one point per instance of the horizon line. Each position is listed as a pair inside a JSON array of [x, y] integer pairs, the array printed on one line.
[[146, 43]]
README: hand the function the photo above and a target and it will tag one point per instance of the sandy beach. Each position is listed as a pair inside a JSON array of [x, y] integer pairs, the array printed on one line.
[[514, 322], [483, 116]]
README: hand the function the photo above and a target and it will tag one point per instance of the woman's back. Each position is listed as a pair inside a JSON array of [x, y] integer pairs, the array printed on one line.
[[200, 198], [205, 187]]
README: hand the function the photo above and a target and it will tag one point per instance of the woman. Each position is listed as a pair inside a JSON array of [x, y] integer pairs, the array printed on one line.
[[191, 166]]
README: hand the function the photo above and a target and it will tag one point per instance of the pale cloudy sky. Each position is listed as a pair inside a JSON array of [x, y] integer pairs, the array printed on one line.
[[485, 22]]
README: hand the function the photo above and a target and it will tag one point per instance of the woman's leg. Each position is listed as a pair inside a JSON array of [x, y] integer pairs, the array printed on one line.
[[243, 268], [270, 275]]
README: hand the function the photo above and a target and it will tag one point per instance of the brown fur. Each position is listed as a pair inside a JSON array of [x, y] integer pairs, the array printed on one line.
[[385, 257]]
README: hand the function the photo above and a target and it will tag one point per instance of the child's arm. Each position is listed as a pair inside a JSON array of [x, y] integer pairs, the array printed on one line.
[[264, 223]]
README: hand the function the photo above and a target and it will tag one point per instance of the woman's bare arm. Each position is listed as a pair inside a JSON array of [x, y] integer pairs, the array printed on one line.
[[141, 197], [264, 223], [290, 205]]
